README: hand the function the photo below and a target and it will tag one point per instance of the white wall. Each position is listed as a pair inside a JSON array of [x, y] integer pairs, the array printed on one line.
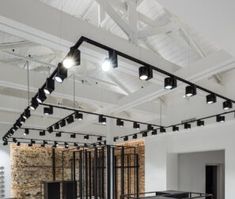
[[192, 169], [159, 167], [6, 163]]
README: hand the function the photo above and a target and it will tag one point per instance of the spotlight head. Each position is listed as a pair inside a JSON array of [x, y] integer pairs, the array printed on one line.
[[86, 137], [102, 119], [66, 145], [99, 138], [227, 105], [50, 129], [115, 139], [42, 133], [162, 129], [113, 58], [187, 126], [75, 144], [145, 73], [22, 120], [73, 135], [175, 128], [30, 144], [125, 138], [18, 144], [120, 122], [50, 86], [26, 114], [135, 136], [145, 134], [220, 118], [78, 115], [136, 125], [62, 123], [5, 143], [61, 74], [211, 98], [48, 110], [190, 91], [33, 141], [150, 127], [41, 96], [73, 58], [200, 123], [26, 132], [170, 83], [70, 119], [34, 104], [18, 124], [14, 140], [58, 134], [56, 126], [55, 144], [154, 132]]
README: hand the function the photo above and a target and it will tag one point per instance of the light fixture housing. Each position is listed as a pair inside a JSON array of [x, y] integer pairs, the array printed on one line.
[[73, 135], [26, 132], [73, 58], [145, 134], [58, 134], [14, 140], [86, 137], [34, 104], [187, 126], [136, 125], [150, 127], [62, 123], [61, 73], [120, 122], [200, 123], [42, 133], [102, 119], [5, 143], [100, 138], [50, 86], [175, 128], [220, 118], [22, 120], [18, 144], [41, 96], [70, 119], [78, 115], [227, 105], [26, 114], [113, 58], [211, 98], [154, 132], [170, 83], [190, 91], [48, 110], [126, 138], [50, 129], [145, 73], [56, 126], [115, 139], [66, 145], [135, 136], [162, 129]]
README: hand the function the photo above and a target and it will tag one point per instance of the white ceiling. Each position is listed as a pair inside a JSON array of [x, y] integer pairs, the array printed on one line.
[[170, 35]]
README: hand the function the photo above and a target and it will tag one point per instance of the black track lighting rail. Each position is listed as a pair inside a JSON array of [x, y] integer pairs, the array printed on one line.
[[91, 113], [64, 132]]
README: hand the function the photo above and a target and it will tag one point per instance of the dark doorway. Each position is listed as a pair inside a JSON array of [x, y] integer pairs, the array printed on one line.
[[211, 180]]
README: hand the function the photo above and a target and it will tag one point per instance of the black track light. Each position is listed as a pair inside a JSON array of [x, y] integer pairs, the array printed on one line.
[[58, 134], [145, 134], [50, 129], [5, 143], [211, 98], [150, 127], [85, 145], [66, 145], [190, 91], [22, 120], [115, 139], [42, 133], [220, 118], [170, 83], [44, 143], [34, 104], [26, 114], [78, 115], [102, 119], [50, 86], [48, 110], [30, 144], [125, 138], [154, 132], [18, 144], [70, 119], [135, 136], [200, 123], [14, 140], [162, 129], [61, 74], [56, 126], [145, 73], [73, 135], [100, 138], [75, 144], [33, 141], [62, 123], [55, 144], [136, 125], [18, 124], [113, 58], [120, 122], [187, 126], [41, 96], [26, 132], [86, 137], [73, 58], [227, 105], [175, 128]]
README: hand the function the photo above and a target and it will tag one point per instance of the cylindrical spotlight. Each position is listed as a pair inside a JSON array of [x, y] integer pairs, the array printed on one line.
[[175, 128], [227, 105], [220, 118], [145, 73], [50, 86], [102, 119], [187, 126], [190, 91], [48, 110], [41, 97], [170, 83], [120, 122], [211, 98], [34, 104], [78, 115], [61, 74], [136, 125], [200, 123]]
